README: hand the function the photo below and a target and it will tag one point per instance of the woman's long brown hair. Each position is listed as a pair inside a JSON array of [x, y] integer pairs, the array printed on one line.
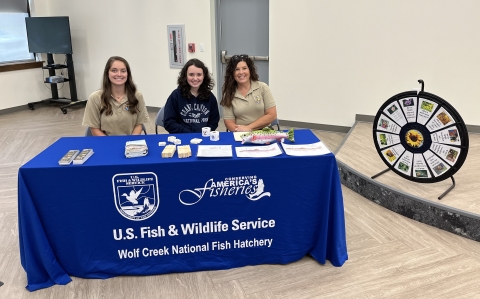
[[229, 84], [130, 88]]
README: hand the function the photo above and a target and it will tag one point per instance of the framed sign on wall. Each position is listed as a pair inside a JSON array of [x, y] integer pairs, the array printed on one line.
[[176, 45]]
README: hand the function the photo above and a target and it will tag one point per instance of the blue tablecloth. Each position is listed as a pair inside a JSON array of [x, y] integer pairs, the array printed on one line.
[[138, 216]]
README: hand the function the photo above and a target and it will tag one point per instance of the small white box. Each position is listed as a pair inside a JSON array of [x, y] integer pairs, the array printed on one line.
[[196, 140]]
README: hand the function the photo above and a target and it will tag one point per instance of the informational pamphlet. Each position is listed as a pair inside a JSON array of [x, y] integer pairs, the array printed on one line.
[[68, 157], [83, 156], [214, 151], [314, 149], [260, 151]]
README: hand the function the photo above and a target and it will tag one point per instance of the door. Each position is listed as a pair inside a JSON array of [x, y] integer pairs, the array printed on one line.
[[242, 28]]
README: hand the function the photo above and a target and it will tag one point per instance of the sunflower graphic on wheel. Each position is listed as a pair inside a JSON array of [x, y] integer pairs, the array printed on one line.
[[414, 138]]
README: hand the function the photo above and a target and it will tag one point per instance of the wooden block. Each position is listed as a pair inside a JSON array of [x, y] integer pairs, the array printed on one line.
[[184, 151], [169, 151]]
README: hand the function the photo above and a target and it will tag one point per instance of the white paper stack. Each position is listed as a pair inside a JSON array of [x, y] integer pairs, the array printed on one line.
[[137, 148]]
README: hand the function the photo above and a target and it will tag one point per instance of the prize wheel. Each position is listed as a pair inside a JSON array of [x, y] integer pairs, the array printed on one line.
[[420, 137]]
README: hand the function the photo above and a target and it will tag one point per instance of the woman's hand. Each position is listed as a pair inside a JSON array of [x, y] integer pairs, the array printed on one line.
[[241, 128], [137, 130], [97, 132]]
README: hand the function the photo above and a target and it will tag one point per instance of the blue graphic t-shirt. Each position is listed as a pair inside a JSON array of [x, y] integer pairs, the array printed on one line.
[[184, 115]]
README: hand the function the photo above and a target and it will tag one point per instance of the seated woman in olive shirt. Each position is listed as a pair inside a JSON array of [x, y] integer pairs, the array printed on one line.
[[248, 104], [118, 108]]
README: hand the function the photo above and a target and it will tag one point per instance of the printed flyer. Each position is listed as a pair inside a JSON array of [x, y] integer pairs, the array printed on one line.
[[447, 136], [404, 164], [435, 163], [393, 111], [448, 153], [442, 119], [388, 125], [391, 154], [409, 106], [214, 151], [420, 169], [425, 110], [261, 151], [386, 139], [314, 149]]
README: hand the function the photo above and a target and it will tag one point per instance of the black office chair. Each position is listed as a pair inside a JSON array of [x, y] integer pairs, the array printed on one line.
[[159, 119], [276, 123], [89, 133]]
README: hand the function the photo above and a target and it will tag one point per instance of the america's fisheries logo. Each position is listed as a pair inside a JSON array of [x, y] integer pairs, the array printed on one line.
[[136, 194], [252, 187]]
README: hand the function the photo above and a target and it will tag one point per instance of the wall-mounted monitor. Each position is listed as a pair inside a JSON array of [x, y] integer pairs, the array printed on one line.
[[49, 35]]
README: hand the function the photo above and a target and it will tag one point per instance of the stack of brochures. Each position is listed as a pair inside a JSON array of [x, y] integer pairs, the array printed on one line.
[[68, 157], [137, 148], [83, 156]]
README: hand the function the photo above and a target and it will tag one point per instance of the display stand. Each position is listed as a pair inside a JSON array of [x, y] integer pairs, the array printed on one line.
[[440, 197], [380, 173], [420, 137], [52, 67]]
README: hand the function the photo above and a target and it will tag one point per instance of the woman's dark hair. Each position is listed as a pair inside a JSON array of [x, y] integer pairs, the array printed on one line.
[[130, 88], [229, 83], [206, 86]]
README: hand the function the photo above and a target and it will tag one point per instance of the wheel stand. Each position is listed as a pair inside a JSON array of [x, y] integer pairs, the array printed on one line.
[[440, 197]]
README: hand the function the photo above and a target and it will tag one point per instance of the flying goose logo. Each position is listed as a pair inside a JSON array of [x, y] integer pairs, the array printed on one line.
[[136, 194]]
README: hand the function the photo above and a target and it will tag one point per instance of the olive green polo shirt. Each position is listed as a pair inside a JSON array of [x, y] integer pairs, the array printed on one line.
[[121, 122], [248, 109]]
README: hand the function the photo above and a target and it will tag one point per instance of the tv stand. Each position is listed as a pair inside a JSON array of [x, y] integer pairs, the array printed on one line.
[[52, 67]]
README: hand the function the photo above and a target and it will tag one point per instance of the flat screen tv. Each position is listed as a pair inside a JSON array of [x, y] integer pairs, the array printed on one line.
[[49, 35]]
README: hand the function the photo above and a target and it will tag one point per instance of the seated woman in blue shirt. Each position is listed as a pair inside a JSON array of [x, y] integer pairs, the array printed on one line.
[[192, 105]]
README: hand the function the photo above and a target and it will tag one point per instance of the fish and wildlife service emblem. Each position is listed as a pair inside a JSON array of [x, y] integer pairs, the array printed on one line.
[[136, 194], [257, 99]]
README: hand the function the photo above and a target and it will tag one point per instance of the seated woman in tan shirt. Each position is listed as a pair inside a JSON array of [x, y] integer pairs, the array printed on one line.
[[118, 108], [248, 104]]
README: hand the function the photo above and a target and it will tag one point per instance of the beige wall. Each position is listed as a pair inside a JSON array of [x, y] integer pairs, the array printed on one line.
[[331, 60], [21, 87], [135, 30]]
